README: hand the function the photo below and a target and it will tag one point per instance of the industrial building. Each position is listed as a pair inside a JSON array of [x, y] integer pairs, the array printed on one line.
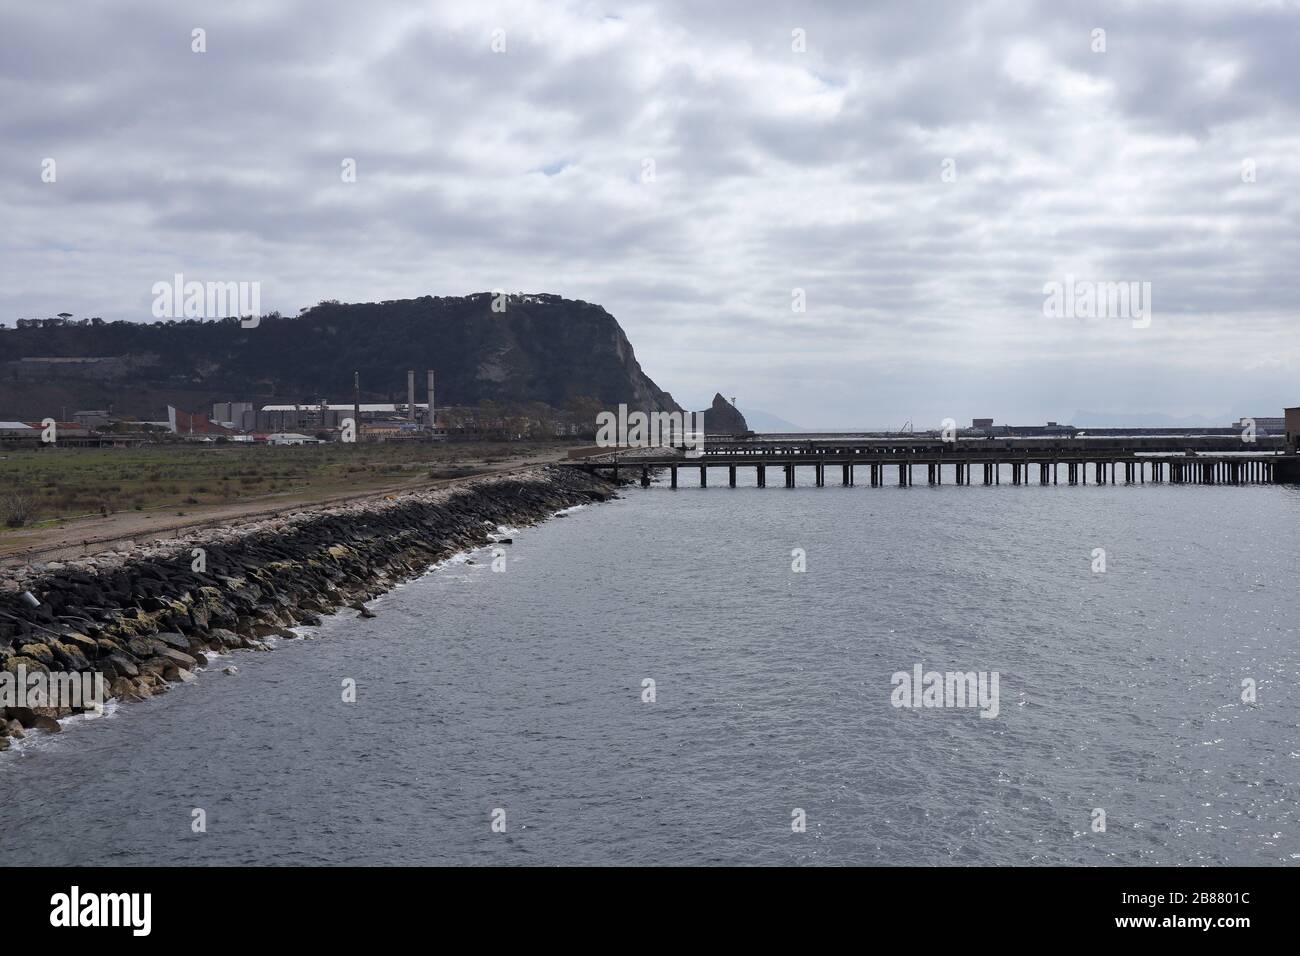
[[376, 421]]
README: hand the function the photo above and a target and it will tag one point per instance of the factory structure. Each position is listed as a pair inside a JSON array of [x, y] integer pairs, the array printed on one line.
[[313, 422], [323, 420]]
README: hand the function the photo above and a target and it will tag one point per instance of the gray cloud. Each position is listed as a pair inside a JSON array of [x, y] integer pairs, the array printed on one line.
[[774, 170]]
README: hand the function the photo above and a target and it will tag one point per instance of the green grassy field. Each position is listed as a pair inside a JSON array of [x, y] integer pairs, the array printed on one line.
[[63, 483]]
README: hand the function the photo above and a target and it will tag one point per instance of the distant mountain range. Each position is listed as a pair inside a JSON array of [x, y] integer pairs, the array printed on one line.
[[541, 348], [761, 421]]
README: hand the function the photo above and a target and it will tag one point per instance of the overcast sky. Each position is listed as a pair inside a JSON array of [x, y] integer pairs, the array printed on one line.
[[919, 170]]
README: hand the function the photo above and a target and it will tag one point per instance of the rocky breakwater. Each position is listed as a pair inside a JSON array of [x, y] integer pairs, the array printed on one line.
[[147, 617]]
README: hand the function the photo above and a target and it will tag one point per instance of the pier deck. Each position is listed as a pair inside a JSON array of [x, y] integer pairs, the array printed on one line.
[[1043, 461]]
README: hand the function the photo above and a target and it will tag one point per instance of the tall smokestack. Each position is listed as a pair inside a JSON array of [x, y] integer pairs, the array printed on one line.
[[410, 395], [432, 420], [356, 405]]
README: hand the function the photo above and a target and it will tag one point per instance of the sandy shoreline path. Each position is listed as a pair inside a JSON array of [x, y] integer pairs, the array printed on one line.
[[90, 535], [134, 622]]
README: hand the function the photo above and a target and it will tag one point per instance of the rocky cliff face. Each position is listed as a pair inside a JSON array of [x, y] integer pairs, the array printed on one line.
[[723, 418], [541, 348]]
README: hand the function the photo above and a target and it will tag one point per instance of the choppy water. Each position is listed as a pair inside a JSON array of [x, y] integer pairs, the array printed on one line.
[[522, 690]]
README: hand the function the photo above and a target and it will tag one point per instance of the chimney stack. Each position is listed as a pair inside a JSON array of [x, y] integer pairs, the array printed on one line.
[[410, 395], [356, 406], [431, 419]]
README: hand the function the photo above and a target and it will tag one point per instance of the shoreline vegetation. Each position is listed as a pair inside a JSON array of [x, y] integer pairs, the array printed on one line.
[[76, 495], [147, 617]]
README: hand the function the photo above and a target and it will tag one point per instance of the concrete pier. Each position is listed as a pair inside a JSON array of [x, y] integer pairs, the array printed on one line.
[[1175, 460]]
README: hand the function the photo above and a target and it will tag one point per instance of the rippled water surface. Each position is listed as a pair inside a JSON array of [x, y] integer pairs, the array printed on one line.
[[522, 691]]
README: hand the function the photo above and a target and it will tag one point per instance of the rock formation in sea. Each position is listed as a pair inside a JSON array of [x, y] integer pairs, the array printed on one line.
[[723, 418]]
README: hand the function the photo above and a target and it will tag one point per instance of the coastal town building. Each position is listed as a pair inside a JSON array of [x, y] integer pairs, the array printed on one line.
[[232, 414], [93, 418], [292, 438], [18, 430], [190, 424]]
